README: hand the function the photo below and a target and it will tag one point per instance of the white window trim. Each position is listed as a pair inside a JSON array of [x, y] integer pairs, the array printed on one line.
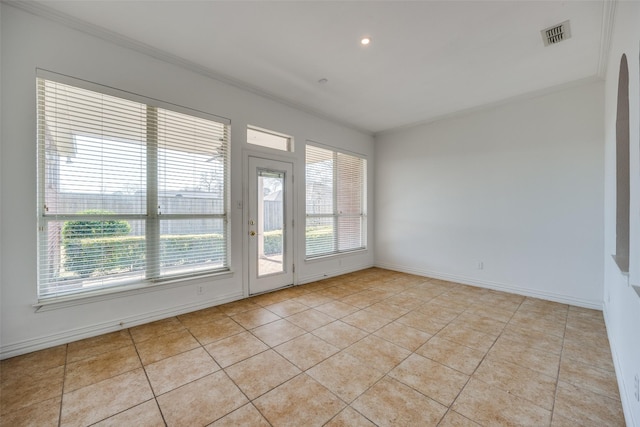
[[290, 144], [335, 215], [134, 286], [71, 300]]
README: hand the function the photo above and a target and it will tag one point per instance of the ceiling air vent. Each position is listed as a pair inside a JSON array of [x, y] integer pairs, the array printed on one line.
[[556, 34]]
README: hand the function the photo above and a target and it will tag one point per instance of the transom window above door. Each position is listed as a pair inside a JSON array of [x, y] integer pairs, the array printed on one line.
[[269, 139]]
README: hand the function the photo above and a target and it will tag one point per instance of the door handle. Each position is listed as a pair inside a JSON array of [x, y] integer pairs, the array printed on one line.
[[252, 233]]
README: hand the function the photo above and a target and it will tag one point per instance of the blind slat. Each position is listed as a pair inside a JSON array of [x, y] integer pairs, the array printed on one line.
[[335, 202], [105, 160]]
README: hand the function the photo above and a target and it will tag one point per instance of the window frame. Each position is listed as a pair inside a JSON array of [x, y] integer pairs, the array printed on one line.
[[336, 215], [289, 139], [151, 219]]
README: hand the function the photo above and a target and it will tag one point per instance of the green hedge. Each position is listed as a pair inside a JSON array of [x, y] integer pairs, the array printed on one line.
[[273, 242], [77, 258], [318, 237], [86, 255], [315, 237], [126, 253], [95, 228]]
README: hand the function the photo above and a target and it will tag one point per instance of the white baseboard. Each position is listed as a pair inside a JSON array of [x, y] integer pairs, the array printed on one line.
[[27, 346], [509, 288], [334, 273], [35, 344], [625, 392]]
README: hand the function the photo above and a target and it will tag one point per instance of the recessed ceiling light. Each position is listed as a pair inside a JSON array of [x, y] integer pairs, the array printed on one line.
[[365, 41]]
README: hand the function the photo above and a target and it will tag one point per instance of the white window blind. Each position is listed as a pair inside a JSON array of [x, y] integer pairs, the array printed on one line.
[[335, 202], [129, 193]]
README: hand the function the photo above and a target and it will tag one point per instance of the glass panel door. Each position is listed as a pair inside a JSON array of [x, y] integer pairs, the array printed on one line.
[[270, 222], [270, 236]]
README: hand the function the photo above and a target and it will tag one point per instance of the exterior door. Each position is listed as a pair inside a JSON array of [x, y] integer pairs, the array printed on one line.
[[270, 225]]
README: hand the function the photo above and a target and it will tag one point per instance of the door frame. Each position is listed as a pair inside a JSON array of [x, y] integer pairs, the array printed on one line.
[[283, 157]]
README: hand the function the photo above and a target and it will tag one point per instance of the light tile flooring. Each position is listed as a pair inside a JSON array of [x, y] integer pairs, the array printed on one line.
[[375, 347]]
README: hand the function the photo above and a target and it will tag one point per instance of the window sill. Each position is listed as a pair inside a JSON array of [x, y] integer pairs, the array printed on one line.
[[55, 303], [622, 263], [335, 255]]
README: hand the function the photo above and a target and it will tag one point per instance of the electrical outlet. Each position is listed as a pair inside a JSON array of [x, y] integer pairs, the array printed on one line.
[[636, 383], [480, 265]]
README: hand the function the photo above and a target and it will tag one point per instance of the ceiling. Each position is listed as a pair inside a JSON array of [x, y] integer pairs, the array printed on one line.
[[426, 60]]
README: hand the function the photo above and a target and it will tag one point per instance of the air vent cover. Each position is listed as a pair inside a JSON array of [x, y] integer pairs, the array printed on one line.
[[556, 34]]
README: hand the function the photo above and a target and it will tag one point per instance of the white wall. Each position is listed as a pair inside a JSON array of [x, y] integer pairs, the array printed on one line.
[[517, 187], [0, 172], [29, 42], [621, 302]]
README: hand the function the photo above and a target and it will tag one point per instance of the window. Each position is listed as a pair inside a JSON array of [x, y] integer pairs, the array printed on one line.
[[336, 202], [265, 138], [129, 193]]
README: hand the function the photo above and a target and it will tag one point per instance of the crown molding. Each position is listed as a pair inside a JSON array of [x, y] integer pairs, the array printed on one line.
[[492, 105], [43, 11], [608, 21]]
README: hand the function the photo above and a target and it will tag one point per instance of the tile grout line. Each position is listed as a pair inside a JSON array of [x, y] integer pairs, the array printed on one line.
[[481, 361], [451, 404], [384, 374], [64, 378], [468, 309], [555, 392], [121, 373], [249, 401], [155, 398], [468, 379], [348, 404]]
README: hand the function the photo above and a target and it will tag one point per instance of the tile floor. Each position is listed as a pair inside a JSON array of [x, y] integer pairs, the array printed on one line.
[[375, 347]]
